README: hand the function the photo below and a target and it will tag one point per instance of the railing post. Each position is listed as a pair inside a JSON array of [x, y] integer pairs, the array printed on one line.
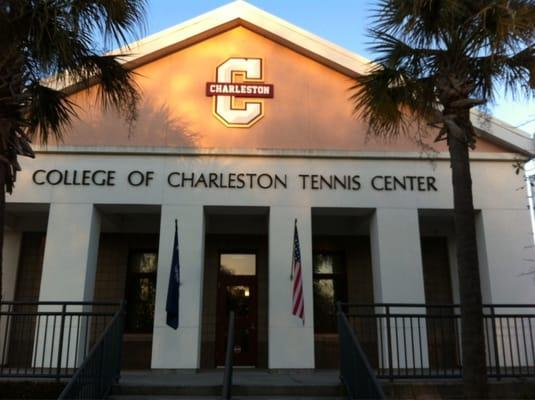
[[7, 332], [227, 377], [389, 344], [495, 342], [61, 336], [120, 333], [102, 350], [340, 339]]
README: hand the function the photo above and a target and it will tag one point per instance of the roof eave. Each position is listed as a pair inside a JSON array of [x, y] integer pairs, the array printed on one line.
[[504, 134]]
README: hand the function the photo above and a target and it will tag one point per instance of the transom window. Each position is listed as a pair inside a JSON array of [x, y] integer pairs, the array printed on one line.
[[237, 264]]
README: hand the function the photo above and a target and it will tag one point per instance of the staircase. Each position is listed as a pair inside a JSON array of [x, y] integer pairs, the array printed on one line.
[[248, 384]]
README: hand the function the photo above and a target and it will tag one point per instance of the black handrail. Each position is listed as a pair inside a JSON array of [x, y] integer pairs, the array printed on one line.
[[355, 371], [227, 376], [102, 367], [420, 341], [60, 303], [49, 339]]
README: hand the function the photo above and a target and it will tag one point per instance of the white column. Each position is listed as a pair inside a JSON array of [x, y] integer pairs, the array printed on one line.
[[484, 268], [69, 270], [505, 251], [397, 256], [291, 345], [11, 251], [180, 348], [398, 277], [71, 251]]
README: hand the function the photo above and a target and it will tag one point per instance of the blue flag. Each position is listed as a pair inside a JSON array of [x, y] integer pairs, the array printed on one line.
[[171, 306]]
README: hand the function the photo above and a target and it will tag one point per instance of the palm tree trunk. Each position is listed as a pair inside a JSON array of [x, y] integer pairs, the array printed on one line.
[[472, 337]]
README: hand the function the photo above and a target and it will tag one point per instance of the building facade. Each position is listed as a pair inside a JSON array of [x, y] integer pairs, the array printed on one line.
[[245, 127]]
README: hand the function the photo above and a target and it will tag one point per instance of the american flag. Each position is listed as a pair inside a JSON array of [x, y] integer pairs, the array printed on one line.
[[298, 303]]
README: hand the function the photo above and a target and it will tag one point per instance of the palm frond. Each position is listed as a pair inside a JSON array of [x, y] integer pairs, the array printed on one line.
[[390, 100], [397, 53], [422, 22], [516, 73], [116, 19], [60, 38], [501, 25], [60, 34], [444, 56], [61, 43], [49, 112], [116, 86]]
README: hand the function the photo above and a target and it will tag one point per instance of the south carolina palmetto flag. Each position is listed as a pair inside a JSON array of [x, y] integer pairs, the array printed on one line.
[[298, 302], [171, 306]]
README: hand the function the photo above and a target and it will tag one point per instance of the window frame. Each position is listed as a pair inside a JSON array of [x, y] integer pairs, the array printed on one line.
[[130, 277], [339, 280]]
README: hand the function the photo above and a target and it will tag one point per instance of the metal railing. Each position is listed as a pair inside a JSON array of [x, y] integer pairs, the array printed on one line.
[[229, 365], [102, 367], [424, 341], [355, 372], [49, 339]]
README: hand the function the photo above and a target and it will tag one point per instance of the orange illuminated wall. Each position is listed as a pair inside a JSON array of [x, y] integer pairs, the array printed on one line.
[[310, 109]]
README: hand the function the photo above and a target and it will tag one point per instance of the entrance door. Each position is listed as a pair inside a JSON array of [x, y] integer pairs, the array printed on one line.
[[237, 291]]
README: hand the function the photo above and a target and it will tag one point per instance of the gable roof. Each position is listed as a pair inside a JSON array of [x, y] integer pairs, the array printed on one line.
[[241, 13]]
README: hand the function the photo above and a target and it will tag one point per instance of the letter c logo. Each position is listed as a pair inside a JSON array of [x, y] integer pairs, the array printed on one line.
[[237, 111]]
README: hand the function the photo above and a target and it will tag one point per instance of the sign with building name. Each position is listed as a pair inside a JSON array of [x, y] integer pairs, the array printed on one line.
[[239, 90], [235, 180], [237, 81]]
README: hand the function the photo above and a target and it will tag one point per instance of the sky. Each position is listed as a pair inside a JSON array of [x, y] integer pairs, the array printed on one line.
[[343, 22]]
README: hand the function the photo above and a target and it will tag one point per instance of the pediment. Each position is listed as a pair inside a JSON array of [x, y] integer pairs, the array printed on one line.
[[309, 110]]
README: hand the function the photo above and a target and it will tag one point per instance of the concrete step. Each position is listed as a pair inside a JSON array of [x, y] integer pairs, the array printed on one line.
[[246, 383], [136, 397], [271, 391]]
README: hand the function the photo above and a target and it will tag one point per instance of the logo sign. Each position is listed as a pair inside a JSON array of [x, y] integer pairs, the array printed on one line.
[[237, 81]]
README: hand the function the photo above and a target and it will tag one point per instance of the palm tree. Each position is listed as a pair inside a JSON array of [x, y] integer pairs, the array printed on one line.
[[437, 59], [46, 45]]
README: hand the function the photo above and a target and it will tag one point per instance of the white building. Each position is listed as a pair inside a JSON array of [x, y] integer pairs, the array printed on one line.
[[92, 218]]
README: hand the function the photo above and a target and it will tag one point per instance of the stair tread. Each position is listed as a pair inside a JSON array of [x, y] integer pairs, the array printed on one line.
[[259, 385], [160, 397], [238, 391], [241, 378]]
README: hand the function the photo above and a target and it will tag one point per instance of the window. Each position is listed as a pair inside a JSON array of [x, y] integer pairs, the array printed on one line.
[[237, 264], [329, 285], [141, 291]]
